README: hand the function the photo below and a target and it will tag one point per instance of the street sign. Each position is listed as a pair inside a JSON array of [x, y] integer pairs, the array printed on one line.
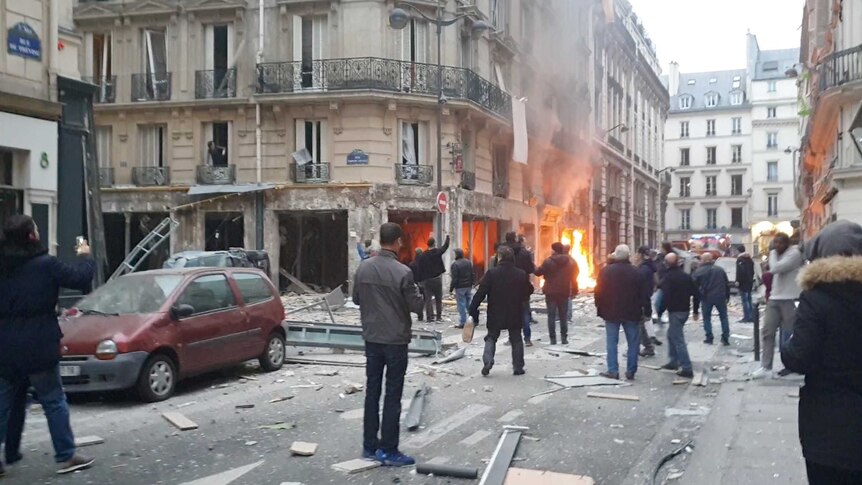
[[23, 41], [442, 202]]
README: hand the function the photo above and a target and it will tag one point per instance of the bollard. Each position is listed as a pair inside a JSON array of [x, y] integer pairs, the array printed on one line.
[[756, 332]]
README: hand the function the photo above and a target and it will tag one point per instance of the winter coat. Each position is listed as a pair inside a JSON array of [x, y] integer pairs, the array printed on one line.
[[561, 276], [785, 269], [825, 347], [523, 258], [508, 290], [647, 271], [745, 273], [30, 282], [386, 294], [619, 293], [678, 292], [431, 262], [462, 274], [712, 284]]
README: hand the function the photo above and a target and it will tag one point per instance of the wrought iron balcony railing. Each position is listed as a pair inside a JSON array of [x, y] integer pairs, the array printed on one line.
[[151, 87], [310, 173], [501, 188], [215, 83], [151, 176], [409, 174], [468, 180], [107, 92], [106, 177], [221, 175], [375, 73], [841, 67]]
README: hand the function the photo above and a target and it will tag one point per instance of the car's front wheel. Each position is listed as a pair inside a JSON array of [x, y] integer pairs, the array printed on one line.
[[273, 355], [158, 379]]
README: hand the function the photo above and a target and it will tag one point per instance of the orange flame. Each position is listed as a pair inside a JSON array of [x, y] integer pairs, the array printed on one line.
[[577, 240]]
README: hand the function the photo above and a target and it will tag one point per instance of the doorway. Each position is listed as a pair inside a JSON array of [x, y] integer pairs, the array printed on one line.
[[224, 230]]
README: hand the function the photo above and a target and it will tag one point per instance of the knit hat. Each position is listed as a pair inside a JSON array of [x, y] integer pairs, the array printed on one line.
[[621, 253]]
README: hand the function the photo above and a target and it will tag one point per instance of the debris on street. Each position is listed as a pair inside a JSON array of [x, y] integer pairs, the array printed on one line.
[[89, 441], [301, 448], [180, 421], [440, 470], [495, 472], [604, 395], [244, 406], [521, 476], [353, 388], [355, 466], [280, 399], [453, 356], [278, 426], [414, 412]]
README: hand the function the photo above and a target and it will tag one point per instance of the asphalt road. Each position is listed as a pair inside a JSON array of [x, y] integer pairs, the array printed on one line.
[[612, 441]]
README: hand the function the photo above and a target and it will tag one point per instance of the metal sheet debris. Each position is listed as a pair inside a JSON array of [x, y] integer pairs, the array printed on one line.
[[604, 395], [307, 361], [582, 381], [568, 350], [495, 472], [414, 412], [458, 354], [330, 335]]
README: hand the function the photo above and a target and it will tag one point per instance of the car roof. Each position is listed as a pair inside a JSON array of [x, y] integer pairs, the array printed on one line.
[[196, 254], [196, 270]]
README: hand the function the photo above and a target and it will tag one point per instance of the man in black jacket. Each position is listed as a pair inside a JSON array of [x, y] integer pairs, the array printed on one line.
[[619, 302], [560, 273], [523, 261], [679, 291], [745, 282], [431, 268], [386, 294], [647, 272], [508, 289], [463, 279], [714, 290]]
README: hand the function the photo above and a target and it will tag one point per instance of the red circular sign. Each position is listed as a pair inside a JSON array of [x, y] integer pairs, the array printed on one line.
[[442, 202]]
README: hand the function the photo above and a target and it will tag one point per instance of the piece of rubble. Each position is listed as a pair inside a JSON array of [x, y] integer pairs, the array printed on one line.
[[244, 406], [353, 388], [327, 372], [679, 382], [280, 399], [605, 395], [301, 448], [250, 443], [180, 421], [277, 426], [88, 441], [521, 476], [674, 475], [355, 466], [488, 389]]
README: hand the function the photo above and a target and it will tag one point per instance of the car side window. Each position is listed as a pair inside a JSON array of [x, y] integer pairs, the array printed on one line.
[[207, 294], [252, 287]]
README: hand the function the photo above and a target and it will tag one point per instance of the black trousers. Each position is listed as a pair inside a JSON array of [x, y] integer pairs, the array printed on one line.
[[392, 359], [491, 348], [433, 287], [15, 424], [826, 475]]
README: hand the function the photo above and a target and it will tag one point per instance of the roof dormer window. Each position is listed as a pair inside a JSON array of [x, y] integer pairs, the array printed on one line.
[[685, 101], [736, 97], [711, 100]]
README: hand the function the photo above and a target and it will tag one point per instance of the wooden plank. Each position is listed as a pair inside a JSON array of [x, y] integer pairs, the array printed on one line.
[[301, 448], [89, 441], [605, 395], [293, 279], [356, 466], [495, 472], [521, 476], [180, 421]]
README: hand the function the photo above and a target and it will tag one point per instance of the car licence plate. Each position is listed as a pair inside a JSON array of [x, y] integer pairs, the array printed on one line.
[[70, 370]]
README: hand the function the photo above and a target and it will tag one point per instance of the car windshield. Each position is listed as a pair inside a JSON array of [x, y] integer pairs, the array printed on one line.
[[134, 293]]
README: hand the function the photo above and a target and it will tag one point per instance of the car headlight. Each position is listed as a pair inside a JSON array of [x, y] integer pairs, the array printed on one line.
[[106, 350]]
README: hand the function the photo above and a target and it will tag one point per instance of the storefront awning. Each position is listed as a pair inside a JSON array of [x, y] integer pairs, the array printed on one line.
[[228, 189]]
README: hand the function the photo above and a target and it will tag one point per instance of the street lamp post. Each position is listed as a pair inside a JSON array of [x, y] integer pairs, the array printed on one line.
[[795, 152], [660, 208], [398, 19]]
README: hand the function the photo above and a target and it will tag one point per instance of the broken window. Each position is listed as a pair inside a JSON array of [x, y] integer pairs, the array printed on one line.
[[223, 230], [102, 65], [311, 135], [153, 144], [155, 60], [219, 59], [314, 247], [310, 43], [217, 143]]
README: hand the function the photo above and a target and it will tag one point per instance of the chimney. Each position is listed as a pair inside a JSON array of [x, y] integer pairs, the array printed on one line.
[[673, 79], [752, 52]]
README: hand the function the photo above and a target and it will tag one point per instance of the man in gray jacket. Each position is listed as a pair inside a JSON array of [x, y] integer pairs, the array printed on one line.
[[785, 261], [714, 289], [386, 294]]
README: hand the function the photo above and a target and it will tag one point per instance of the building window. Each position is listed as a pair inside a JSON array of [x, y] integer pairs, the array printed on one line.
[[771, 112], [103, 65], [414, 139], [772, 205], [736, 218], [736, 153], [710, 127], [683, 129], [217, 143], [310, 43], [103, 146], [685, 102], [711, 184], [684, 157], [711, 218], [153, 144], [736, 98], [311, 136], [685, 219], [710, 156], [711, 100], [685, 186], [736, 185], [772, 86], [772, 139], [772, 171], [500, 14], [736, 126]]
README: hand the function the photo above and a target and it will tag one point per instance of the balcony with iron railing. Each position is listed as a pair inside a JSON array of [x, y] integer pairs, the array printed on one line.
[[411, 174], [151, 86], [373, 73], [215, 175], [106, 92], [310, 173], [840, 68], [151, 176], [215, 84], [501, 187], [106, 177]]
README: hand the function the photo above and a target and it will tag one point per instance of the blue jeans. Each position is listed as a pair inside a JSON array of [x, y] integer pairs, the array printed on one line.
[[747, 307], [49, 389], [659, 297], [722, 315], [393, 358], [527, 317], [632, 331], [463, 297], [677, 351]]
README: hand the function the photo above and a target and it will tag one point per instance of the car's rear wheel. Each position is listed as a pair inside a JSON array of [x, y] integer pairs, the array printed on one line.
[[158, 379], [273, 355]]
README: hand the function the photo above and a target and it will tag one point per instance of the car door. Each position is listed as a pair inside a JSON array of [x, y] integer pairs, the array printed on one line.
[[257, 296], [212, 336]]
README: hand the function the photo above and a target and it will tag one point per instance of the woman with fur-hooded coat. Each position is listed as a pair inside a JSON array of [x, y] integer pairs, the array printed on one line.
[[825, 346]]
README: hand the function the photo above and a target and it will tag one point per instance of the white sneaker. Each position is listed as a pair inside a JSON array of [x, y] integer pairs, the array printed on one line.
[[760, 373]]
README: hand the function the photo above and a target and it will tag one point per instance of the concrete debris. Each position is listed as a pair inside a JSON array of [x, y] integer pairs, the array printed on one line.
[[280, 399], [248, 378], [342, 363], [488, 388], [674, 475], [679, 382], [356, 466], [187, 404], [604, 395], [250, 443], [675, 441], [244, 406], [648, 366], [444, 370], [353, 388], [278, 426], [301, 448], [617, 426], [583, 381], [181, 422], [520, 476], [326, 373], [89, 441], [700, 411], [289, 373], [458, 354]]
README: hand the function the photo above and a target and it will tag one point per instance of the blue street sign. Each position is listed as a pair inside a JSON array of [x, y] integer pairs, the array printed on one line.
[[23, 41]]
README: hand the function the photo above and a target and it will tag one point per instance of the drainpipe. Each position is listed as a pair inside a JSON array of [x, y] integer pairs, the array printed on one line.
[[51, 48], [259, 196]]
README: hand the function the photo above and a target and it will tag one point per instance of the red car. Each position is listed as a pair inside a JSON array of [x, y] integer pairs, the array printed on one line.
[[149, 330]]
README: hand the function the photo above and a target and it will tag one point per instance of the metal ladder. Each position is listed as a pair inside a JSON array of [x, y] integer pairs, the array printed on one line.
[[147, 245]]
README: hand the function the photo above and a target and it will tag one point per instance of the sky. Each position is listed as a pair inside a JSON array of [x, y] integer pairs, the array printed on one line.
[[709, 35]]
